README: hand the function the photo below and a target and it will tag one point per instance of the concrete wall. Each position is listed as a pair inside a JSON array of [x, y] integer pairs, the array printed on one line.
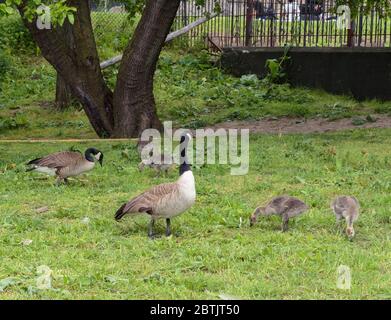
[[364, 73]]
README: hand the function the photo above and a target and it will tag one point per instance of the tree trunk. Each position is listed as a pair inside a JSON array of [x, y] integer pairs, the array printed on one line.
[[63, 94], [78, 64], [63, 90], [135, 108]]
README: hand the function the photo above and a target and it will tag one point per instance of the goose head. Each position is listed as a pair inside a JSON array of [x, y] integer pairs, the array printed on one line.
[[254, 216], [350, 233], [184, 163], [93, 155], [185, 139]]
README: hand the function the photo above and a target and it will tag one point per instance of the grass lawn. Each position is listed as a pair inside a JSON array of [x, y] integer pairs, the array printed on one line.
[[189, 90], [211, 252]]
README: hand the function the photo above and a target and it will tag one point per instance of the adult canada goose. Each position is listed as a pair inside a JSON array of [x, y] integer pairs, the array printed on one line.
[[158, 162], [346, 207], [66, 164], [165, 200], [285, 206]]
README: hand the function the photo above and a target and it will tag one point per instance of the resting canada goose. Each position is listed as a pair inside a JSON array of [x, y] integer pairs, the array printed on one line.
[[66, 164], [158, 162], [285, 206], [346, 207], [165, 200]]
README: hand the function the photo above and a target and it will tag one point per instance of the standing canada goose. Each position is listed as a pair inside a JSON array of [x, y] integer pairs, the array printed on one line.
[[285, 206], [66, 164], [158, 162], [165, 200], [346, 207]]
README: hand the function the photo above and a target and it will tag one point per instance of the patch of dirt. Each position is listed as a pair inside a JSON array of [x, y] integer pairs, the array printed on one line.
[[300, 125]]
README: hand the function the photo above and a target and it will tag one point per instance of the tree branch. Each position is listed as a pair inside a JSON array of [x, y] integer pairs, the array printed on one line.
[[169, 38]]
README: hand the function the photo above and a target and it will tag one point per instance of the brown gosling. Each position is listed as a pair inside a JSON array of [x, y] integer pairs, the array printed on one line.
[[159, 162], [66, 164], [346, 207], [285, 206]]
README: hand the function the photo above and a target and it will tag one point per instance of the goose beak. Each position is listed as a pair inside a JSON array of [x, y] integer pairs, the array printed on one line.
[[101, 161], [350, 233]]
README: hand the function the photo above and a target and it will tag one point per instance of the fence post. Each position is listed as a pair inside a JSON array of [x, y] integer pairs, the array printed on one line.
[[351, 34], [249, 21]]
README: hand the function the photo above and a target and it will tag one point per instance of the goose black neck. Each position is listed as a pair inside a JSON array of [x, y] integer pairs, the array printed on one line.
[[184, 166], [89, 154]]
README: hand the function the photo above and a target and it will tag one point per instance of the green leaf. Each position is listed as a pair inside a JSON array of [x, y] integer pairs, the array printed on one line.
[[71, 18]]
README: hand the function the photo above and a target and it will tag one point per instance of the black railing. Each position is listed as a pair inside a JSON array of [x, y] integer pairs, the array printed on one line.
[[275, 23]]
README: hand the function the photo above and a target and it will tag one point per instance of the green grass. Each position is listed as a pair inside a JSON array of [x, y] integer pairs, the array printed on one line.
[[210, 253], [189, 90]]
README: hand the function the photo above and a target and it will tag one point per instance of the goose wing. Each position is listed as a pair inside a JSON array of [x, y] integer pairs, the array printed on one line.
[[340, 204], [57, 160], [149, 200]]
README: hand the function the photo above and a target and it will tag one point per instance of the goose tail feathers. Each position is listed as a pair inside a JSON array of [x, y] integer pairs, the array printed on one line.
[[120, 212]]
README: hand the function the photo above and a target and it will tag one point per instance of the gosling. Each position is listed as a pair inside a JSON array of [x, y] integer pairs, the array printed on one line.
[[346, 207], [159, 162], [285, 206]]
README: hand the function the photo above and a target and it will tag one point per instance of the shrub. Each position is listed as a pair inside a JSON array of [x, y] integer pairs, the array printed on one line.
[[16, 122], [14, 36], [5, 64]]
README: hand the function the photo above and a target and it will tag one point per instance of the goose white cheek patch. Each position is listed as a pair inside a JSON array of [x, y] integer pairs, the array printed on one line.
[[97, 156]]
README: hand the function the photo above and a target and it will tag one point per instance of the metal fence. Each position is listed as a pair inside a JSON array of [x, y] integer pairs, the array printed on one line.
[[257, 23], [110, 23], [275, 23]]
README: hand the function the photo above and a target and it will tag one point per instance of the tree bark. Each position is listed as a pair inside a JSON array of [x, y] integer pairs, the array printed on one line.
[[63, 94], [78, 64], [135, 108], [63, 91]]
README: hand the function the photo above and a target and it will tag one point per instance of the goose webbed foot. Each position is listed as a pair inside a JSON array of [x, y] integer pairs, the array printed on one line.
[[284, 225], [168, 227], [151, 234], [59, 180]]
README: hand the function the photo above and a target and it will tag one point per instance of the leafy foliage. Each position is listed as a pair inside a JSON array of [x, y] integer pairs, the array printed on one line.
[[383, 7], [276, 67], [18, 121], [5, 64], [59, 10], [14, 36]]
